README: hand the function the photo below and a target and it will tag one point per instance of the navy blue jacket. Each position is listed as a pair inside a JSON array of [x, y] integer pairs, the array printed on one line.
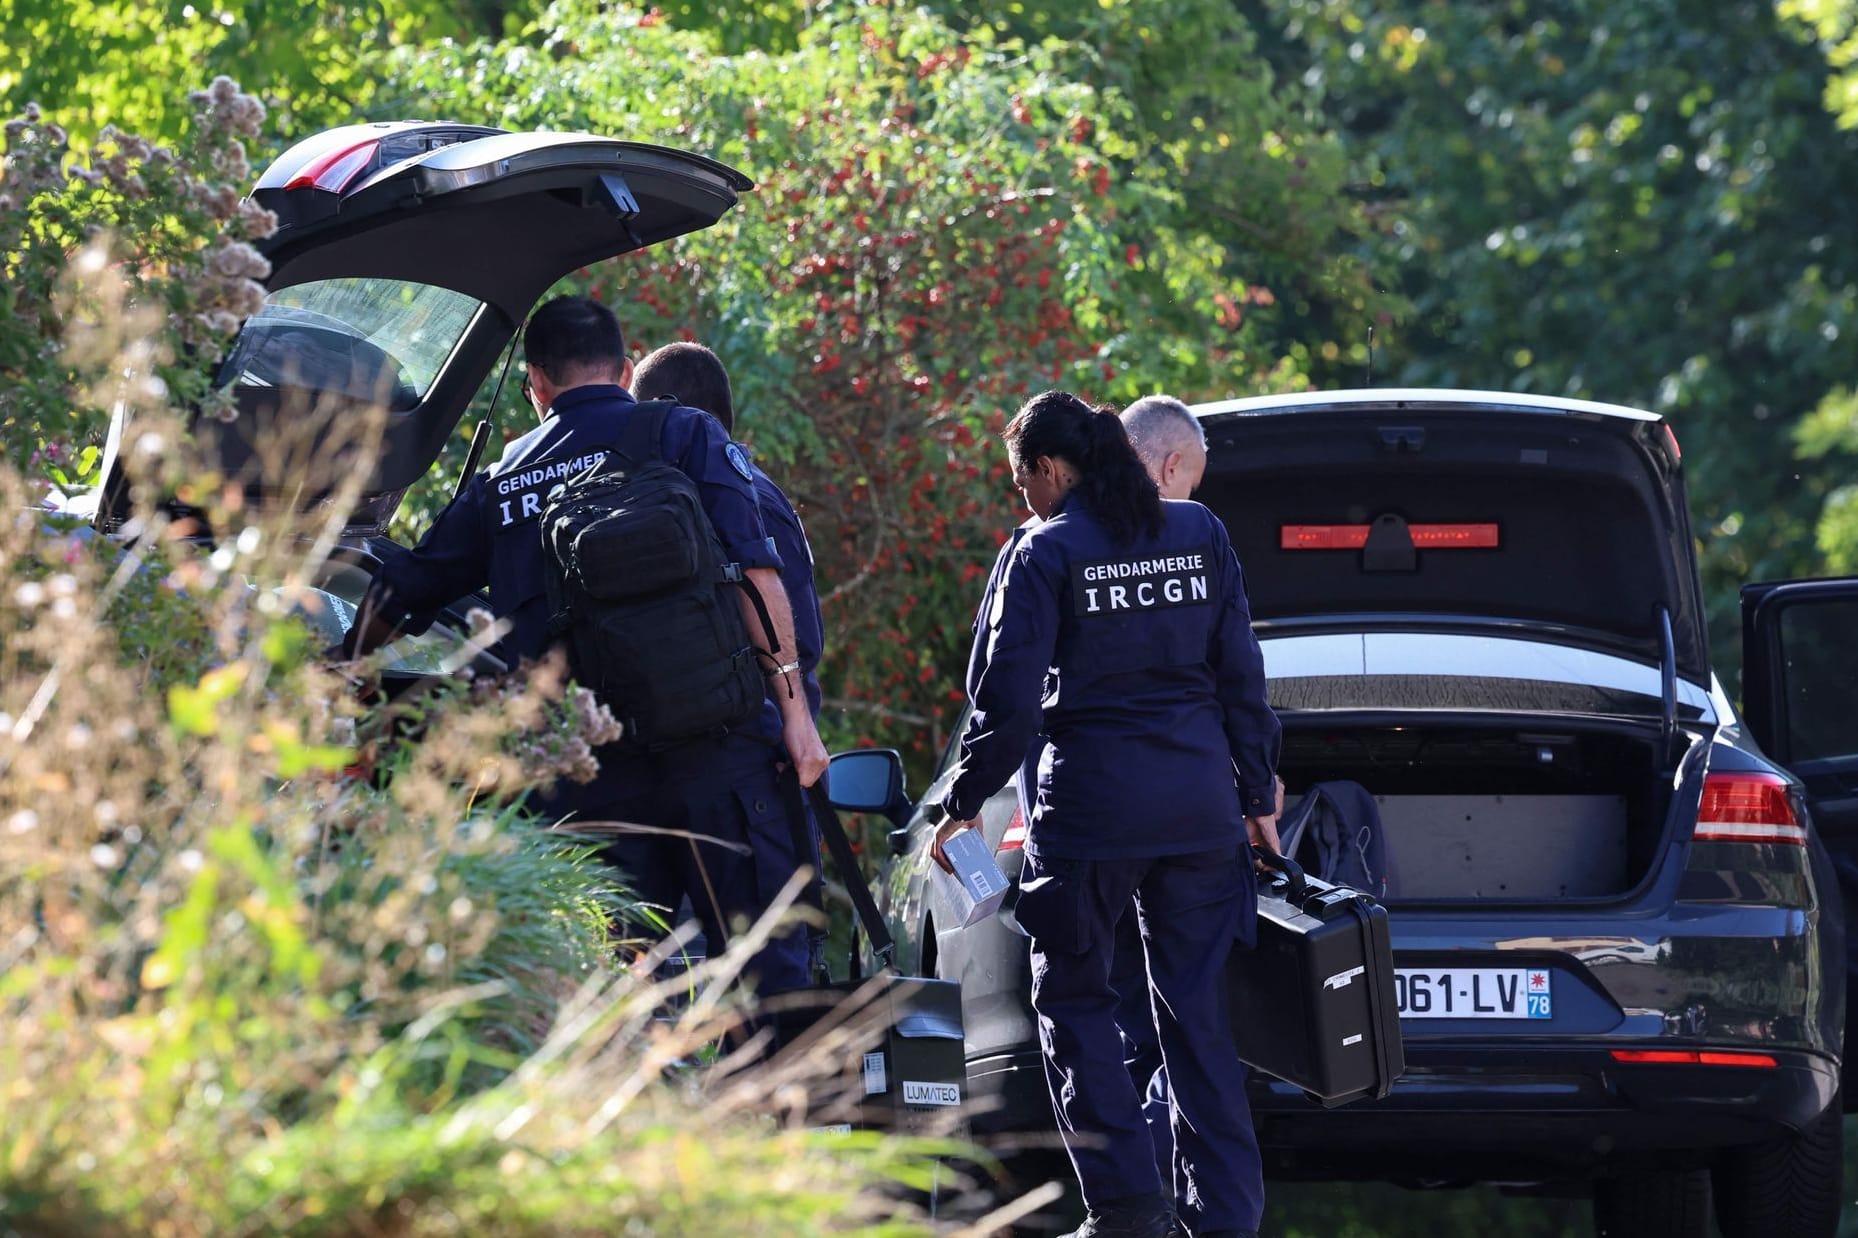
[[1139, 664], [488, 535], [783, 526], [1027, 781]]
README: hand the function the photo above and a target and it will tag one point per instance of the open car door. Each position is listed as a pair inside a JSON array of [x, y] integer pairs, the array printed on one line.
[[1800, 690], [1800, 699]]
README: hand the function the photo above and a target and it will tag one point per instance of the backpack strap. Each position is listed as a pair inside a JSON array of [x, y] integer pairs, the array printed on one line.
[[806, 852], [641, 439], [847, 863]]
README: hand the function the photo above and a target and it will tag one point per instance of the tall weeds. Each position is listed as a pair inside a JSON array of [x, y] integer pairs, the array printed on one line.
[[280, 956]]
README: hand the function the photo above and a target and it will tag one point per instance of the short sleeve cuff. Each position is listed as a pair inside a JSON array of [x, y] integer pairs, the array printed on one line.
[[758, 553]]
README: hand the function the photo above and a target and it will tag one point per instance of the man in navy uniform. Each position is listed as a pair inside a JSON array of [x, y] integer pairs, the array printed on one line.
[[721, 788], [1121, 630], [691, 374]]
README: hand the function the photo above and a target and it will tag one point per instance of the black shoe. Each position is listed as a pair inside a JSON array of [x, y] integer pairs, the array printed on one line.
[[1141, 1216]]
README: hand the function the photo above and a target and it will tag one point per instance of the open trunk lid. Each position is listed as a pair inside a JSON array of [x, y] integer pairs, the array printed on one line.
[[407, 255], [1522, 516]]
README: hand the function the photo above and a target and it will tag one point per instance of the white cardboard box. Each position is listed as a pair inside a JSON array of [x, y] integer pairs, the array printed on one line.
[[977, 886]]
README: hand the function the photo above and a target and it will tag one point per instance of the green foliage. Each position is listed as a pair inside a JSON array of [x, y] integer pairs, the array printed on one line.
[[1835, 24], [944, 223], [121, 63], [122, 274], [1638, 203], [271, 966]]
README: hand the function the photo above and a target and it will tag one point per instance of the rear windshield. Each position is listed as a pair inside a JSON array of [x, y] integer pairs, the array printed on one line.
[[383, 340]]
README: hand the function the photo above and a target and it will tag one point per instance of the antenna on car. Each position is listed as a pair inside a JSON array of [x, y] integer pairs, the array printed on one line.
[[1370, 381]]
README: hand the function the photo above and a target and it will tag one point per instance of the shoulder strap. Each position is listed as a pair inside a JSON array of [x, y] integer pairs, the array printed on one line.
[[793, 798], [641, 439], [841, 848]]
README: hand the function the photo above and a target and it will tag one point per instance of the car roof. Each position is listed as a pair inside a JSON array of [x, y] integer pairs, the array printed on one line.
[[1369, 397]]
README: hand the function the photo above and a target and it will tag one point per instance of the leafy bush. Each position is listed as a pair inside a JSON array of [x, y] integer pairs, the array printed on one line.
[[943, 224], [249, 988], [160, 237], [272, 961]]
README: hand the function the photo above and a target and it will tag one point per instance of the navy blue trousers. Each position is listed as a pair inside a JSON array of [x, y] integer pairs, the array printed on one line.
[[725, 793], [1190, 909], [1135, 1023]]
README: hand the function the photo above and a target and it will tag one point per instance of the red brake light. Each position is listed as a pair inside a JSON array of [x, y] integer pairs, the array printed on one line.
[[1355, 536], [334, 171], [1015, 837], [1748, 808], [1677, 453], [1692, 1057]]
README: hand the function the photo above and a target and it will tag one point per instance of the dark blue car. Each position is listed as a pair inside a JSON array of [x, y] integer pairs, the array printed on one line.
[[1616, 921]]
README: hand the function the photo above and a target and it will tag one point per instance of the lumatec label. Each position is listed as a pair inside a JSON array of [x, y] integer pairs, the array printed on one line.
[[918, 1093], [1124, 586]]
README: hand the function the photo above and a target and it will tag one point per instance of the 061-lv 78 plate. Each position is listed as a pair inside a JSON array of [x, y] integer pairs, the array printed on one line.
[[1473, 992]]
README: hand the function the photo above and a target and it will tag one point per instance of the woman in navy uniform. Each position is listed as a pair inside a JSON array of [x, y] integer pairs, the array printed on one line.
[[1121, 632]]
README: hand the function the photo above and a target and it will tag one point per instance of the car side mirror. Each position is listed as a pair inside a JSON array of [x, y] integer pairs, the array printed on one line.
[[868, 780]]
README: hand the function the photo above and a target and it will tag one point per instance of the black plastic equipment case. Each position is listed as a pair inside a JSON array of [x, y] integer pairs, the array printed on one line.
[[1313, 1002], [904, 1068]]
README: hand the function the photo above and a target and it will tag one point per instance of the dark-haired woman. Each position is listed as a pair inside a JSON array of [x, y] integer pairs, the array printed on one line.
[[1121, 631]]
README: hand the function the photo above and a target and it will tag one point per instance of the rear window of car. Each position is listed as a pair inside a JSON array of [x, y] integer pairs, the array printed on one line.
[[380, 339]]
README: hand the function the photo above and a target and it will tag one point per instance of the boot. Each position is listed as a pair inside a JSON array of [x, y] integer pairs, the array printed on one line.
[[1139, 1216]]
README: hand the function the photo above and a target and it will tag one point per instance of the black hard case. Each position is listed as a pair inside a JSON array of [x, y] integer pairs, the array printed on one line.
[[1313, 1002], [902, 1068]]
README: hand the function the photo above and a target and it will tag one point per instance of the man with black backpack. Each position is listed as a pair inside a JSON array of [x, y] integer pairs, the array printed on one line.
[[630, 533], [688, 373]]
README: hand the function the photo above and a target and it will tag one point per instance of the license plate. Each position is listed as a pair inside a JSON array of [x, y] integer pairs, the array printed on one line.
[[1472, 993]]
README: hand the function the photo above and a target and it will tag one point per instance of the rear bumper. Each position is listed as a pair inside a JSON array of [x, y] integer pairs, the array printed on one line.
[[1468, 1114]]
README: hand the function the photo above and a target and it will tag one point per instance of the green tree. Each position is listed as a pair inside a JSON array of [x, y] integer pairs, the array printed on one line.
[[1643, 203], [943, 224], [1247, 157], [126, 63]]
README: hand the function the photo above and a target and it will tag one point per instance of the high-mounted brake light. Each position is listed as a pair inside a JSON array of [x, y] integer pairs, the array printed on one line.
[[1015, 837], [1748, 808], [334, 171], [1355, 536], [1692, 1057]]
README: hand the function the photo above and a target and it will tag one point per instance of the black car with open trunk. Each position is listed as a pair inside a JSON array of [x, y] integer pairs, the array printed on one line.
[[1618, 933]]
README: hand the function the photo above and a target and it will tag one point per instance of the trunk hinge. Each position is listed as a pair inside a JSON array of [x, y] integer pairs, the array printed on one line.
[[1667, 683], [481, 437]]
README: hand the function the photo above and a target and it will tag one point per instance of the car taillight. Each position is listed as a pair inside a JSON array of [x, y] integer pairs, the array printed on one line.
[[1015, 837], [334, 171], [1355, 536], [1692, 1057], [1748, 808]]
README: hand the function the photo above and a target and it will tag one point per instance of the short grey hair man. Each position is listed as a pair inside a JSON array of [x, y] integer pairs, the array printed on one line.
[[1168, 437]]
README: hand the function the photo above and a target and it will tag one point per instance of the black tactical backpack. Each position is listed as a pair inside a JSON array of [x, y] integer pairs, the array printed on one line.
[[640, 591]]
